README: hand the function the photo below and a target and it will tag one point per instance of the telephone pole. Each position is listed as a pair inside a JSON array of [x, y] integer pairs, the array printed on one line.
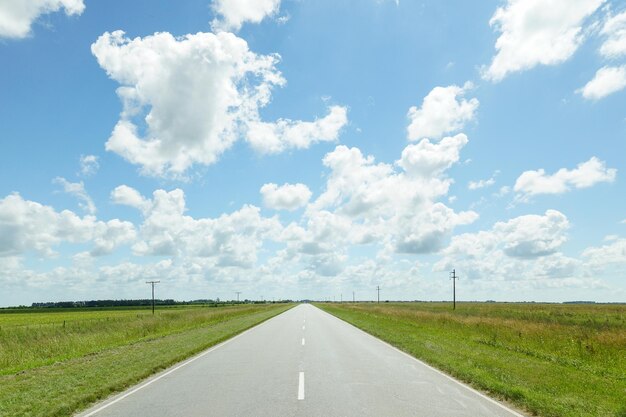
[[353, 296], [152, 283], [341, 298], [238, 292], [378, 289], [453, 277]]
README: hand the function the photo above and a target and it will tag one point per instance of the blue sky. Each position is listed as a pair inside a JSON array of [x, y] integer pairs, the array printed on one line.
[[308, 149]]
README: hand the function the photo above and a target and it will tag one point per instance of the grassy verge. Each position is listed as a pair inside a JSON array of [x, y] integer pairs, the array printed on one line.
[[551, 360], [64, 369]]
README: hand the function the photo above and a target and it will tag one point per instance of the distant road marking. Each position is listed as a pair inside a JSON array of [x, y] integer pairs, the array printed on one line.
[[301, 386], [303, 341], [187, 362], [302, 327]]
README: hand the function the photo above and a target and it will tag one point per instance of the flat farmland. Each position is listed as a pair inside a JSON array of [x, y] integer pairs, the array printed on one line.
[[548, 359], [53, 363]]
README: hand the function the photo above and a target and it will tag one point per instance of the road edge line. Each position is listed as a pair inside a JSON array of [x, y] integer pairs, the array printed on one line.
[[155, 378], [463, 384]]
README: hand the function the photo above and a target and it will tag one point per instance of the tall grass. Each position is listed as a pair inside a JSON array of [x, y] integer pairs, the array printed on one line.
[[550, 359], [30, 340]]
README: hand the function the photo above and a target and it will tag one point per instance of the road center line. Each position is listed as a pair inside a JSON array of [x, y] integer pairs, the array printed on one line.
[[302, 327], [301, 386], [303, 341]]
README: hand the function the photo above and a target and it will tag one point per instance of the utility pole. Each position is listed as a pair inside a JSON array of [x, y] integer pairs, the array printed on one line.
[[353, 296], [453, 277], [238, 292], [378, 289], [341, 298], [152, 283]]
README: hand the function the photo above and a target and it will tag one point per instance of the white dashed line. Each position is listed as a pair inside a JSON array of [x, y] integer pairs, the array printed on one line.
[[301, 386], [303, 341]]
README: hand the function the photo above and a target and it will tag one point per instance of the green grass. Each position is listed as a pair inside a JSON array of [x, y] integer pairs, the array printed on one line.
[[548, 359], [51, 369]]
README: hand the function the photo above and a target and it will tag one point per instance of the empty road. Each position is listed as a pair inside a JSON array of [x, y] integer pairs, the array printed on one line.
[[303, 362]]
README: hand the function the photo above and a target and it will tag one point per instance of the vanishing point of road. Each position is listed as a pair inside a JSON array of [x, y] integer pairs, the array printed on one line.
[[303, 362]]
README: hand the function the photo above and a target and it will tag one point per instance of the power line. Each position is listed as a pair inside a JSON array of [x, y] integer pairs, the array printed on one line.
[[152, 283]]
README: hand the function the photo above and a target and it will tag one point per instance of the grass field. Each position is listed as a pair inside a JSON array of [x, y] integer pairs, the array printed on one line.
[[54, 363], [548, 359]]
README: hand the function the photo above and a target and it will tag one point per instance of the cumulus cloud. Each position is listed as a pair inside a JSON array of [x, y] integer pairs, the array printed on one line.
[[89, 165], [377, 202], [614, 31], [234, 13], [608, 80], [77, 189], [531, 236], [128, 196], [443, 111], [229, 240], [28, 226], [285, 134], [187, 99], [525, 247], [532, 34], [586, 174], [285, 197], [17, 16], [611, 254]]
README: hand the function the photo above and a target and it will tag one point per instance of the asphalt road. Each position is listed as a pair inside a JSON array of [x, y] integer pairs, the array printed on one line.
[[303, 362]]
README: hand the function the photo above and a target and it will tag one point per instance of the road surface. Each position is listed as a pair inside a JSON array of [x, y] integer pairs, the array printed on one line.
[[303, 362]]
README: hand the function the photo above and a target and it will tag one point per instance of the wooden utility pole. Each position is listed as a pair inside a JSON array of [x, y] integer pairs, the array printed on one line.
[[378, 289], [453, 277], [152, 283]]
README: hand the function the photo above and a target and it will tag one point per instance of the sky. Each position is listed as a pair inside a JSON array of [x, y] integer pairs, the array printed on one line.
[[298, 149]]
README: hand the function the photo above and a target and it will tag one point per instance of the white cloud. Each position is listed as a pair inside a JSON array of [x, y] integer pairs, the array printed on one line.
[[375, 202], [286, 196], [525, 247], [77, 189], [230, 240], [608, 80], [614, 29], [201, 93], [612, 254], [128, 196], [285, 134], [533, 33], [531, 236], [585, 175], [17, 16], [235, 13], [89, 165], [476, 185], [443, 111], [27, 226]]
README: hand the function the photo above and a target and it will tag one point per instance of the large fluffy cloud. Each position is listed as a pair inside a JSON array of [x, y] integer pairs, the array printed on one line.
[[234, 13], [585, 175], [523, 247], [28, 226], [188, 99], [535, 33], [229, 240], [443, 111], [17, 16]]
